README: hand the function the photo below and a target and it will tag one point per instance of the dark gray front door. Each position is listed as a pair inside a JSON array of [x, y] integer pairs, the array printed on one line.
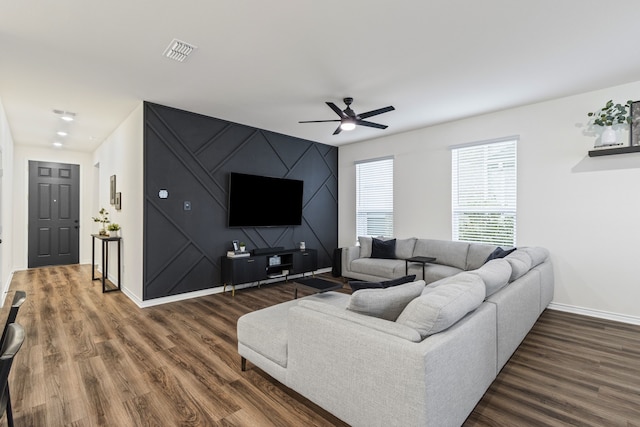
[[54, 205]]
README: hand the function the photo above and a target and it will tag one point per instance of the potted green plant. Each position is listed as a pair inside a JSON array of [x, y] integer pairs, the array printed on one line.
[[242, 246], [609, 115], [114, 228], [103, 219]]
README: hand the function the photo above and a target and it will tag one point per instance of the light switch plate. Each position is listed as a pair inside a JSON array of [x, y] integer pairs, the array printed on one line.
[[187, 205]]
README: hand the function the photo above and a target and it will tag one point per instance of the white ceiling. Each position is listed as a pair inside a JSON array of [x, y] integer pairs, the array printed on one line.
[[272, 63]]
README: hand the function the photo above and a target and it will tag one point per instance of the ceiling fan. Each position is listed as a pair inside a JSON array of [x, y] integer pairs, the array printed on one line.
[[349, 119]]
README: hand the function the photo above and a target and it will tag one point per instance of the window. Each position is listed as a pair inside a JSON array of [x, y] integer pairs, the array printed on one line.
[[484, 192], [374, 197]]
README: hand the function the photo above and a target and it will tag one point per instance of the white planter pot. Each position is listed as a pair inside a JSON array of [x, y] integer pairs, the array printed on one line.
[[608, 136]]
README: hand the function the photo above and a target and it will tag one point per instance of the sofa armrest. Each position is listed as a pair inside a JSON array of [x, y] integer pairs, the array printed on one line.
[[367, 377], [349, 254]]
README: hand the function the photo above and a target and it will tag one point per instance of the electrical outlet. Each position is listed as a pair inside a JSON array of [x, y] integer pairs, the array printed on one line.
[[187, 205]]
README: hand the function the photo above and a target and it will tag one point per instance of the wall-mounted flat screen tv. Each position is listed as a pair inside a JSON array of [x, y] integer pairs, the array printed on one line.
[[262, 201]]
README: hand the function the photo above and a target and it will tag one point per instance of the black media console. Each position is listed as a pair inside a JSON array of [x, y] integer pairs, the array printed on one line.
[[272, 265]]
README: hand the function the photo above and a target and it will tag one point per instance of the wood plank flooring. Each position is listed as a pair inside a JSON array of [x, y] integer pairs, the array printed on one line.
[[96, 359]]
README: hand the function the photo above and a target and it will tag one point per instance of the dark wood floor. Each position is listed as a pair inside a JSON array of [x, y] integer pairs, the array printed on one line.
[[97, 359]]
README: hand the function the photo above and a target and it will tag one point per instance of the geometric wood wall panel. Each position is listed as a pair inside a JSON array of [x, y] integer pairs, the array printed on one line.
[[191, 156]]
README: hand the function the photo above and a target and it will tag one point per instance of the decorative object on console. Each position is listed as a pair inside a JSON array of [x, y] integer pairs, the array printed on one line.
[[609, 115], [103, 219], [302, 246], [114, 229], [236, 245], [242, 247]]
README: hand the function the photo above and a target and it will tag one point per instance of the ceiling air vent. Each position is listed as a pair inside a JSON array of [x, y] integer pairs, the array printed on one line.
[[178, 50]]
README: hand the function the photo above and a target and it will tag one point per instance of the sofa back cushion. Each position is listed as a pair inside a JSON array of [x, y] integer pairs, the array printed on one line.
[[478, 254], [365, 246], [385, 303], [404, 248], [538, 255], [442, 306], [495, 274], [446, 252], [520, 263]]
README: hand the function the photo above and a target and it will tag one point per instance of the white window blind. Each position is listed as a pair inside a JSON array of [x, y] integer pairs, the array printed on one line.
[[484, 192], [374, 198]]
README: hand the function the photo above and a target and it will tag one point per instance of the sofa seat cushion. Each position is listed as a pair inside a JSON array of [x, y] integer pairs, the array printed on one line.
[[265, 331], [385, 303], [388, 268], [440, 307], [381, 325], [495, 274]]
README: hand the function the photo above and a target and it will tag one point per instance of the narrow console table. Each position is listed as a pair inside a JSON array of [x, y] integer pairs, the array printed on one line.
[[277, 264], [105, 259]]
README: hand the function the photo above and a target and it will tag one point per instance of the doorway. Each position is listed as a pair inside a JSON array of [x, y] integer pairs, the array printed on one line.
[[54, 207]]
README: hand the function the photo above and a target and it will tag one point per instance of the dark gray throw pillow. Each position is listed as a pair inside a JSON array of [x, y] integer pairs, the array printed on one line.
[[385, 249], [356, 285], [499, 253]]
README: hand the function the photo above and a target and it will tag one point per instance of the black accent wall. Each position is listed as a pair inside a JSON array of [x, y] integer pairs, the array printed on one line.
[[191, 155]]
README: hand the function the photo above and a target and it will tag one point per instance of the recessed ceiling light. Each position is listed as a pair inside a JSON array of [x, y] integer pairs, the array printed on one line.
[[178, 50], [62, 133], [67, 118], [57, 144]]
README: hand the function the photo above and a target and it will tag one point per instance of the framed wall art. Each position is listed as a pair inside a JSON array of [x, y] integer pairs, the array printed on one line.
[[112, 188], [118, 201], [634, 127]]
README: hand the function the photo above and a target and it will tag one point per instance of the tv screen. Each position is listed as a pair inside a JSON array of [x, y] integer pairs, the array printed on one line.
[[262, 201]]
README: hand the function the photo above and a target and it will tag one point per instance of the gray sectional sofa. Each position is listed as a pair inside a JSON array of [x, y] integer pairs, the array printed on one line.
[[414, 354], [451, 258]]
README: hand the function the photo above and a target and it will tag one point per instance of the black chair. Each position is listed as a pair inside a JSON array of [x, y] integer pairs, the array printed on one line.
[[13, 339], [18, 299]]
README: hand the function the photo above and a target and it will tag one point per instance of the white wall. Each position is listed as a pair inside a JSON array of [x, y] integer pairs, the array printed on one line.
[[121, 154], [6, 205], [20, 225], [584, 210]]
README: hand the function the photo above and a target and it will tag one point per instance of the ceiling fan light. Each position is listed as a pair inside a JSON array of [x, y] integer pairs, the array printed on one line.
[[347, 125]]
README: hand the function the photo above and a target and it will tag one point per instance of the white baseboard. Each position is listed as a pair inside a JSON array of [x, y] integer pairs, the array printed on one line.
[[204, 292], [624, 318], [5, 288]]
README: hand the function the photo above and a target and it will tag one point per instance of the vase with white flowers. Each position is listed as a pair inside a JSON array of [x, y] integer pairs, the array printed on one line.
[[103, 219]]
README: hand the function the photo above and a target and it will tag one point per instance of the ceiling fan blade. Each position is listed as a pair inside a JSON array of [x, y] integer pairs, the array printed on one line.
[[338, 111], [376, 112], [338, 130], [371, 124], [319, 121]]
